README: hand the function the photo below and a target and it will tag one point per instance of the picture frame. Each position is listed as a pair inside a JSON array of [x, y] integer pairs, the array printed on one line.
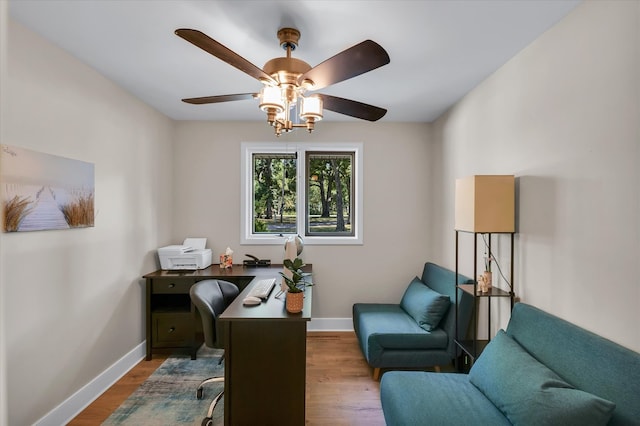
[[43, 192]]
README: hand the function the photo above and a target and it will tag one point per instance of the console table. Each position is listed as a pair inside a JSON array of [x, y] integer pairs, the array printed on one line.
[[170, 316]]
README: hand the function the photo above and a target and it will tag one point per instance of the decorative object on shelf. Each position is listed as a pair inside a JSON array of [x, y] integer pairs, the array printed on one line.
[[487, 261], [295, 281], [484, 282], [487, 275], [226, 259]]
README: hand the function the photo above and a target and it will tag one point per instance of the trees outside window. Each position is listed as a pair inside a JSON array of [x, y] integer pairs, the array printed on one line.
[[328, 194], [274, 193]]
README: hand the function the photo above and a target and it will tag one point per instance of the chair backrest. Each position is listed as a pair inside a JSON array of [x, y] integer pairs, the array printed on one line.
[[211, 297]]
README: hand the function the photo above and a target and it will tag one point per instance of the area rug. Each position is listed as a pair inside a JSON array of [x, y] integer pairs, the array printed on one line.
[[168, 396]]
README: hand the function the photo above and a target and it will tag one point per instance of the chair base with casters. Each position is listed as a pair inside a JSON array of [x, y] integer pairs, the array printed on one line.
[[211, 298], [208, 421]]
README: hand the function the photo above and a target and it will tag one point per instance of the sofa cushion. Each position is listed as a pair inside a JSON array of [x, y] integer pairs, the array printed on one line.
[[529, 393], [424, 305], [411, 398], [389, 326]]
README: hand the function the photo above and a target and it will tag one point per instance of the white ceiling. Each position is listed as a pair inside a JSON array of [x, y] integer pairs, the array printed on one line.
[[439, 49]]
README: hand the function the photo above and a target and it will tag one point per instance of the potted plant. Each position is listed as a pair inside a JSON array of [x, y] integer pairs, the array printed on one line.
[[295, 279]]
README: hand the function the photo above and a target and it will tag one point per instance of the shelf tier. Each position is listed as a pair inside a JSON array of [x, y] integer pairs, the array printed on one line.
[[494, 292]]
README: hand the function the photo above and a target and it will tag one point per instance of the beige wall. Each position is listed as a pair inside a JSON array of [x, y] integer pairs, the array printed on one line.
[[563, 116], [397, 205], [74, 298]]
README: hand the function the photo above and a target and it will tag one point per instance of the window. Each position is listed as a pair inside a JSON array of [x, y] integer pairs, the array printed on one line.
[[328, 193], [313, 190], [274, 193]]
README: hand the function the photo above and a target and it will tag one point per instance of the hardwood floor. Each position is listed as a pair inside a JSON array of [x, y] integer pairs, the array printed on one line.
[[340, 388], [107, 403]]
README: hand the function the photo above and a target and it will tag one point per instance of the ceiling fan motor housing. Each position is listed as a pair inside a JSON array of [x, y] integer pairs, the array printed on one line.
[[286, 70]]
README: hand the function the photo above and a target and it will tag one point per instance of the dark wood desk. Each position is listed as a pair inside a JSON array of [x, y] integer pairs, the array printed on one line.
[[265, 346], [265, 361], [170, 321]]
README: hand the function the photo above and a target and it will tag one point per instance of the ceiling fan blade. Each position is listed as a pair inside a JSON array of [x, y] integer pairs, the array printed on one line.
[[220, 98], [349, 63], [211, 46], [352, 108]]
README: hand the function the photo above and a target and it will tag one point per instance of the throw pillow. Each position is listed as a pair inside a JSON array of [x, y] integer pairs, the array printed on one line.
[[529, 393], [424, 305]]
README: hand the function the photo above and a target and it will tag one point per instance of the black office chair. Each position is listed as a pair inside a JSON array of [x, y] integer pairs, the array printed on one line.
[[211, 297]]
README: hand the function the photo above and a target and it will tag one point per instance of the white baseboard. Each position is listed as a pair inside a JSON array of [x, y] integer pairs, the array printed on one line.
[[330, 324], [77, 402]]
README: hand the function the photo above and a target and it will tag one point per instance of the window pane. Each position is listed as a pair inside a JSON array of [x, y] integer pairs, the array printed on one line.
[[274, 193], [329, 193]]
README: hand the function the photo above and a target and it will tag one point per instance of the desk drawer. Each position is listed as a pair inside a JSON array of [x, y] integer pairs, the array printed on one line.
[[173, 329], [171, 286]]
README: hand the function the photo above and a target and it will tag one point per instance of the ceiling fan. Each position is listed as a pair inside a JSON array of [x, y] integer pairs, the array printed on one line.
[[286, 80]]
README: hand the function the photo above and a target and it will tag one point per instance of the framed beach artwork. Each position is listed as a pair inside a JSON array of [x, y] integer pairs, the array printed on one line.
[[42, 191]]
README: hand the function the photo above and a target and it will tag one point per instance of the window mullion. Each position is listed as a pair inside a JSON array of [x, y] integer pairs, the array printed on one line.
[[302, 192]]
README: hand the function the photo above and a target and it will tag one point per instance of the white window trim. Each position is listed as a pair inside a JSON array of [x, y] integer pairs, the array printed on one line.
[[246, 191]]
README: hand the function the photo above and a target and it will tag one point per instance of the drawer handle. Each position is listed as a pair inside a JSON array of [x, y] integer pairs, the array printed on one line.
[[172, 285], [172, 329]]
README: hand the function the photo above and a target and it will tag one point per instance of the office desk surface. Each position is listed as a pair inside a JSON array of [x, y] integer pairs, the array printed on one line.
[[271, 309], [214, 271]]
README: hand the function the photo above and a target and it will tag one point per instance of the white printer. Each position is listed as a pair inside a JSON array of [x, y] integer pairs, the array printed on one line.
[[190, 255]]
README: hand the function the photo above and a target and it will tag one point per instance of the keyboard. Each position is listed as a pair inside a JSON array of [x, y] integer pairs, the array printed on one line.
[[262, 288]]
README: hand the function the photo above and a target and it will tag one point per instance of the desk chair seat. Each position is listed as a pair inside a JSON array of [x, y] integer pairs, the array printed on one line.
[[211, 298]]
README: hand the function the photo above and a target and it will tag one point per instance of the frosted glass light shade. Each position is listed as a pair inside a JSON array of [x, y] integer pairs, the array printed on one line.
[[311, 107], [271, 97], [485, 203]]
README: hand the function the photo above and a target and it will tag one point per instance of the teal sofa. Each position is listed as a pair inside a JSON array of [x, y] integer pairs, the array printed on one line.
[[541, 371], [418, 332]]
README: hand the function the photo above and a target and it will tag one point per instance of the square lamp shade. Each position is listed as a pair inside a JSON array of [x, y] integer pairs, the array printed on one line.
[[485, 203]]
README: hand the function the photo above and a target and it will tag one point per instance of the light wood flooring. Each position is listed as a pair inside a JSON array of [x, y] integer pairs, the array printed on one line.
[[340, 388]]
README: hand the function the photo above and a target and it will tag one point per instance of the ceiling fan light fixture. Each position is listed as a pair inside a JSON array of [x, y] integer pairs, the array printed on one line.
[[286, 79]]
